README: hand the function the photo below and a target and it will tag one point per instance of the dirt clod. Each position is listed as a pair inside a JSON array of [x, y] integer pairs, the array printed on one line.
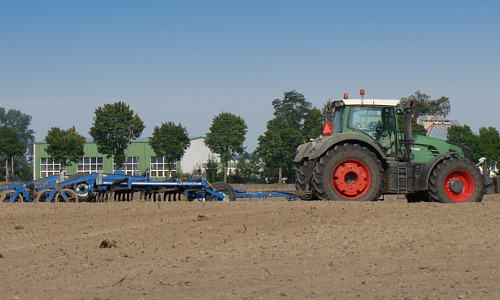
[[201, 218], [108, 244]]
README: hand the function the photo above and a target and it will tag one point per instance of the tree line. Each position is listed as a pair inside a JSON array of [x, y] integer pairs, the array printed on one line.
[[295, 121]]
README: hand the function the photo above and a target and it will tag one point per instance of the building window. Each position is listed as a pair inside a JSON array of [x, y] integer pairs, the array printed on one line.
[[160, 168], [130, 166], [48, 167], [90, 164]]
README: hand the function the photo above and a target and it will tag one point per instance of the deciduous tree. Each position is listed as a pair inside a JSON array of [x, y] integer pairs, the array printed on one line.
[[463, 135], [489, 144], [170, 141], [65, 146], [114, 126], [248, 168], [19, 122], [277, 146], [10, 146], [486, 144], [293, 108], [226, 137], [423, 104], [313, 124]]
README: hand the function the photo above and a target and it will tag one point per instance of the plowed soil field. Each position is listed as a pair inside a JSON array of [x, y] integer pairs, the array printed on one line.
[[250, 249]]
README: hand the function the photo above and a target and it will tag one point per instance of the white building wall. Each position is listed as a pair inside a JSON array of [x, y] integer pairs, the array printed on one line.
[[197, 154]]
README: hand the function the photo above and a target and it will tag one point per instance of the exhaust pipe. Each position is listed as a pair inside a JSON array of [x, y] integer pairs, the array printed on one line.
[[408, 132]]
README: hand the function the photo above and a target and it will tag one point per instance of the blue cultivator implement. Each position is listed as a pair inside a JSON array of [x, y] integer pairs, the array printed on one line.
[[99, 187]]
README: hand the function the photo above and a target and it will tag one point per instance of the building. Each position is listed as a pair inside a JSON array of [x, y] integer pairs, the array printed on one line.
[[139, 157], [436, 125]]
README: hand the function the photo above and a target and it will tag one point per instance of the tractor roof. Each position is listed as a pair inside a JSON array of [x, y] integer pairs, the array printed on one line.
[[372, 102]]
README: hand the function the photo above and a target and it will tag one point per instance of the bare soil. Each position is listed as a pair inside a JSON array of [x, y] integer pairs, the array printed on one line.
[[250, 249]]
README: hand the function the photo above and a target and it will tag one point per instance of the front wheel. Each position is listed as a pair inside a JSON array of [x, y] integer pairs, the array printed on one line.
[[456, 180], [348, 172]]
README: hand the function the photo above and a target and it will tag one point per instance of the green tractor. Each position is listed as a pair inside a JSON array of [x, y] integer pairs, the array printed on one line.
[[362, 155]]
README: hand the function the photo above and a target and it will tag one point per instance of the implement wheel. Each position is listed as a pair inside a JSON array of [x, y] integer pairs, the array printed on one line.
[[456, 180], [348, 172], [82, 190], [222, 188], [70, 194], [43, 196], [6, 196]]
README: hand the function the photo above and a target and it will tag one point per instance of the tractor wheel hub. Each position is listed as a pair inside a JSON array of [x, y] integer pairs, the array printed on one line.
[[456, 186]]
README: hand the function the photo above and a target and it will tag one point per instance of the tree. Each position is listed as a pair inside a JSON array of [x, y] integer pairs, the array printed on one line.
[[486, 144], [226, 137], [248, 168], [170, 141], [10, 145], [115, 125], [313, 124], [293, 108], [423, 104], [277, 146], [463, 135], [327, 111], [19, 122], [211, 169], [65, 146], [489, 145], [416, 128]]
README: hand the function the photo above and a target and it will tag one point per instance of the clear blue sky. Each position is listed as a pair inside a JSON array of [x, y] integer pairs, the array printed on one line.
[[188, 61]]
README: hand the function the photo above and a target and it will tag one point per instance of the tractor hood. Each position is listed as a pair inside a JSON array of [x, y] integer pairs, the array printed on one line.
[[426, 148]]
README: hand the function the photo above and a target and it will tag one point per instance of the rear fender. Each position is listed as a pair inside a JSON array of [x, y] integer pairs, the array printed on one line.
[[303, 151], [331, 141]]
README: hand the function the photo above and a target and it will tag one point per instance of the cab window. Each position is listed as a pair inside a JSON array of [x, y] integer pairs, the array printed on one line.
[[338, 117], [377, 122], [365, 119]]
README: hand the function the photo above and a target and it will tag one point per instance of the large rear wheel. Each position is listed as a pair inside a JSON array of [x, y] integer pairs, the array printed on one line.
[[303, 180], [456, 180], [348, 172]]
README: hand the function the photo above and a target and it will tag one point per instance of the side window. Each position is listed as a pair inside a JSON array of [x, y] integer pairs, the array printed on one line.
[[338, 117]]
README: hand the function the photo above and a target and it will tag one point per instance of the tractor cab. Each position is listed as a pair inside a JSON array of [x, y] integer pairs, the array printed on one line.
[[371, 119]]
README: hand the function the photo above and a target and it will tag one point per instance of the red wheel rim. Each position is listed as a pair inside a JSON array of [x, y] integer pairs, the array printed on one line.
[[465, 182], [351, 179]]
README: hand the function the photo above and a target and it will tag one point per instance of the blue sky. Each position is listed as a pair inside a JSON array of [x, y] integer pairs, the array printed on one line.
[[188, 61]]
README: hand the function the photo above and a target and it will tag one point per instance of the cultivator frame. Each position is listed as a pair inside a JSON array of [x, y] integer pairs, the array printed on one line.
[[100, 187]]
